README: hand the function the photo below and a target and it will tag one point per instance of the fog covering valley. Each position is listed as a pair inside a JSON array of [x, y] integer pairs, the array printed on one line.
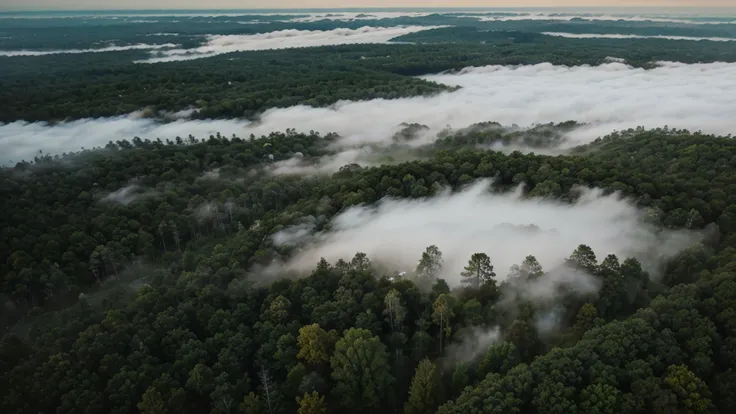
[[328, 211], [605, 98]]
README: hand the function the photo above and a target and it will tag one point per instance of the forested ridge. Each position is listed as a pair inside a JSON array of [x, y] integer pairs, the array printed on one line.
[[164, 241]]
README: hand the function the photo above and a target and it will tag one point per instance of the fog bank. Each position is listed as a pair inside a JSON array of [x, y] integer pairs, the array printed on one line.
[[395, 232], [626, 36], [566, 17], [284, 39], [140, 46], [609, 97], [22, 140]]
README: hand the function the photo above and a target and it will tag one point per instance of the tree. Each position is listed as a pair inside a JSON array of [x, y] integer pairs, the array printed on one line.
[[311, 403], [425, 389], [267, 388], [315, 344], [479, 271], [585, 319], [361, 371], [394, 310], [429, 265], [583, 258], [252, 404], [152, 402], [499, 359], [443, 312], [531, 269], [692, 393]]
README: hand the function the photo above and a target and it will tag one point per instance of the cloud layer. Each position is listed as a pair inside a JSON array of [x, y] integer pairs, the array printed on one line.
[[396, 232], [284, 39], [22, 140], [607, 97], [610, 97], [624, 36], [140, 46], [605, 17]]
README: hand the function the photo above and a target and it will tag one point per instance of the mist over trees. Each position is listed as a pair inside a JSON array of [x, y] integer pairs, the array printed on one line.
[[408, 267], [183, 251]]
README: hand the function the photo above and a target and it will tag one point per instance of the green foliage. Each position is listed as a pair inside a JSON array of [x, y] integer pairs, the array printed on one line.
[[479, 271], [425, 389], [312, 403], [193, 326], [315, 345], [361, 371]]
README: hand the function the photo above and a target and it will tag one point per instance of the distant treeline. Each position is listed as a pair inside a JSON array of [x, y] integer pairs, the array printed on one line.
[[59, 87]]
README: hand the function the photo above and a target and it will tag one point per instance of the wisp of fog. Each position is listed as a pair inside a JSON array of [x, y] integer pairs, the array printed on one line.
[[140, 46], [606, 17], [23, 141], [395, 232], [608, 97], [284, 39], [628, 36]]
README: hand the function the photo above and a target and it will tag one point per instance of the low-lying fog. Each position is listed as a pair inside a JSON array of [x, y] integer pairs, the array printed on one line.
[[284, 39], [609, 97], [396, 232]]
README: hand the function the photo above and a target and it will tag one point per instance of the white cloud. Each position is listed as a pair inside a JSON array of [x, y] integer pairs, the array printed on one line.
[[346, 17], [564, 17], [608, 97], [396, 232], [22, 140], [627, 36], [284, 39], [140, 46]]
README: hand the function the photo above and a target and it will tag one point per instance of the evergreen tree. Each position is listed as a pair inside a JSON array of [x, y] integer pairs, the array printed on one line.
[[361, 371], [479, 271], [425, 389]]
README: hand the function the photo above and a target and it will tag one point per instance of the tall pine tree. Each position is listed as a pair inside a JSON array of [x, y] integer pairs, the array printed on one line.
[[479, 271]]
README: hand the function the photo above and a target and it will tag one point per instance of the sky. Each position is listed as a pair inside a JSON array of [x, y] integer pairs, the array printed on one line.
[[247, 4]]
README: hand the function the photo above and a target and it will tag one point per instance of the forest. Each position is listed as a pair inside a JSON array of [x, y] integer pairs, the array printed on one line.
[[245, 84], [515, 259], [59, 33], [159, 309]]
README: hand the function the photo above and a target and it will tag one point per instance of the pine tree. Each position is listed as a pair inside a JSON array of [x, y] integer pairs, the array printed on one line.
[[423, 394], [479, 271], [394, 310], [311, 403], [430, 265]]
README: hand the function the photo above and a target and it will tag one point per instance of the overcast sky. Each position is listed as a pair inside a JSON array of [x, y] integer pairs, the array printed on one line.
[[246, 4]]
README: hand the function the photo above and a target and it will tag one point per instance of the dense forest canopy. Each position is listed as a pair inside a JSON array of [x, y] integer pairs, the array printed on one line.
[[483, 268]]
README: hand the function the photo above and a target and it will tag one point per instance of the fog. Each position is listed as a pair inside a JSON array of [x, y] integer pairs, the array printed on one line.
[[125, 195], [469, 344], [346, 17], [22, 140], [140, 46], [604, 17], [626, 36], [395, 232], [609, 97], [284, 39]]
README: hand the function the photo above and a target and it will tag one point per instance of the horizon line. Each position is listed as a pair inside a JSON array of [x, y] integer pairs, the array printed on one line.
[[370, 8]]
